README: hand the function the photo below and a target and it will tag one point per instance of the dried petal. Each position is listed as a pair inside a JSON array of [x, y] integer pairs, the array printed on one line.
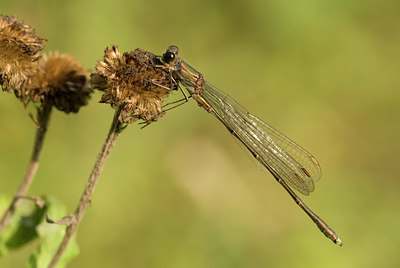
[[60, 81], [19, 47], [133, 83]]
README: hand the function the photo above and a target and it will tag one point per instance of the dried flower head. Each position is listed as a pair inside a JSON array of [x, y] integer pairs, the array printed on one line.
[[19, 47], [60, 81], [132, 83]]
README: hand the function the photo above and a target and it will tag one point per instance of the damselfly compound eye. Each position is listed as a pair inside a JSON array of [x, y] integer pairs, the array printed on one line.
[[170, 55]]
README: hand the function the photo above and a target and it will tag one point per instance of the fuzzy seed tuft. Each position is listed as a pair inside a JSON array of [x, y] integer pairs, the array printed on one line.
[[133, 83]]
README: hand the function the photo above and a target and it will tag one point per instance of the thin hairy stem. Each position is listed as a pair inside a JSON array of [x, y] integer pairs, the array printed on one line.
[[43, 116], [115, 130]]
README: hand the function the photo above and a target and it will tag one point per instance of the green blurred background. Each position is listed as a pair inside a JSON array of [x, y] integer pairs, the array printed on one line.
[[181, 192]]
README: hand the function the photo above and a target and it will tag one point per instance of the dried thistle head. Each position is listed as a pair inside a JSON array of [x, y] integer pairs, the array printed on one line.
[[132, 83], [19, 47], [60, 81]]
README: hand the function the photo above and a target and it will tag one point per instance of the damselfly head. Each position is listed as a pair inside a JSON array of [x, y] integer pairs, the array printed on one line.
[[170, 55]]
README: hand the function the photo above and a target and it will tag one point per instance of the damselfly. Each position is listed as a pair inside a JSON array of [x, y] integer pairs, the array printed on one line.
[[290, 164]]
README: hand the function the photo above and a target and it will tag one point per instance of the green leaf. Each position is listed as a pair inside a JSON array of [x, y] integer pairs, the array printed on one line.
[[51, 236], [29, 223], [21, 229]]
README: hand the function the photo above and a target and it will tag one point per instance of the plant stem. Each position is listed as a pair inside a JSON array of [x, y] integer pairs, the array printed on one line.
[[43, 116], [115, 130]]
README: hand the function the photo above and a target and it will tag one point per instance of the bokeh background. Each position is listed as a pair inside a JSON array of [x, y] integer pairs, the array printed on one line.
[[181, 192]]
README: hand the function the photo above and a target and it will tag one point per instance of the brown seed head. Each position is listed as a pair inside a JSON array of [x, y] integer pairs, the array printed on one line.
[[132, 83], [60, 81], [19, 47]]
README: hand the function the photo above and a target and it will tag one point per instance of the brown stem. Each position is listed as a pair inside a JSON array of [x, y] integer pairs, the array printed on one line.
[[43, 116], [115, 130]]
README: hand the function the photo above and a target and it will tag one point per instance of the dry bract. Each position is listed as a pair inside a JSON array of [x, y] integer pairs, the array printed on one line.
[[132, 83], [60, 81], [19, 47]]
